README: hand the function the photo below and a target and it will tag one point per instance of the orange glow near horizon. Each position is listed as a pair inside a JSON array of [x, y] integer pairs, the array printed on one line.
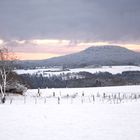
[[82, 44], [133, 47], [34, 56], [48, 48]]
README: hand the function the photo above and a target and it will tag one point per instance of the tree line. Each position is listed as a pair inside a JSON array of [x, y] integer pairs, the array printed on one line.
[[82, 79]]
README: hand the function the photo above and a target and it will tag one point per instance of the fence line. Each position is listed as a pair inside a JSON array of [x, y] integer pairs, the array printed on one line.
[[75, 98]]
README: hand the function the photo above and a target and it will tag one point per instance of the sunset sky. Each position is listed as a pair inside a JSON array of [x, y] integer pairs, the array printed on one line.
[[40, 29]]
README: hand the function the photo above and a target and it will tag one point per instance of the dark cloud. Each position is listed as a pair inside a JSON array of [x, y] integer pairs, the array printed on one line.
[[99, 20]]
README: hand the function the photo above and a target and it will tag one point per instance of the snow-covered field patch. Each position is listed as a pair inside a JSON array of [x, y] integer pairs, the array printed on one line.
[[114, 114], [54, 71], [87, 91], [70, 122]]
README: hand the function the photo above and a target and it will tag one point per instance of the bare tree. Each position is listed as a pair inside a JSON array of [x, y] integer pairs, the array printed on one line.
[[6, 66]]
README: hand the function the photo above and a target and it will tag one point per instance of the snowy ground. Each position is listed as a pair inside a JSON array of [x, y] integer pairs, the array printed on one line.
[[70, 122], [116, 94], [113, 70], [87, 91], [71, 119]]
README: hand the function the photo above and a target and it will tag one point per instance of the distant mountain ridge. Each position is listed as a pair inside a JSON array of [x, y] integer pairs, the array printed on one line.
[[95, 55]]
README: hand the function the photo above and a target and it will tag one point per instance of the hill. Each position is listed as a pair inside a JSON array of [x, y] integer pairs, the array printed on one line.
[[95, 55], [102, 55]]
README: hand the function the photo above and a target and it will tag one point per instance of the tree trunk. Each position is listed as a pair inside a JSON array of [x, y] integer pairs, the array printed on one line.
[[3, 96], [3, 99]]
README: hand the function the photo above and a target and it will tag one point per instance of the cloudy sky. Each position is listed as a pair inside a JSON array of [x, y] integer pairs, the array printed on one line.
[[38, 29]]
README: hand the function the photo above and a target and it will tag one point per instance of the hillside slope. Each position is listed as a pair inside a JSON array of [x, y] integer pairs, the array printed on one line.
[[95, 55], [102, 55]]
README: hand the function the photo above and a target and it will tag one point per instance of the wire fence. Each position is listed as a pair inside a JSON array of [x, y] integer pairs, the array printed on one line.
[[110, 98]]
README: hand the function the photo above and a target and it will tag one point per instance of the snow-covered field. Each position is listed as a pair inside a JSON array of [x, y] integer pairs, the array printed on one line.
[[87, 91], [113, 70], [72, 120]]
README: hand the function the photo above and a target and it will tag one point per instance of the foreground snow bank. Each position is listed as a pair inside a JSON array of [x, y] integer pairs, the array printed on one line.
[[34, 117], [70, 122]]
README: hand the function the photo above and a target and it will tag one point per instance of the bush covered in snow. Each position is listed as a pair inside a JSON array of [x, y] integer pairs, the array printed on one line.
[[16, 88]]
